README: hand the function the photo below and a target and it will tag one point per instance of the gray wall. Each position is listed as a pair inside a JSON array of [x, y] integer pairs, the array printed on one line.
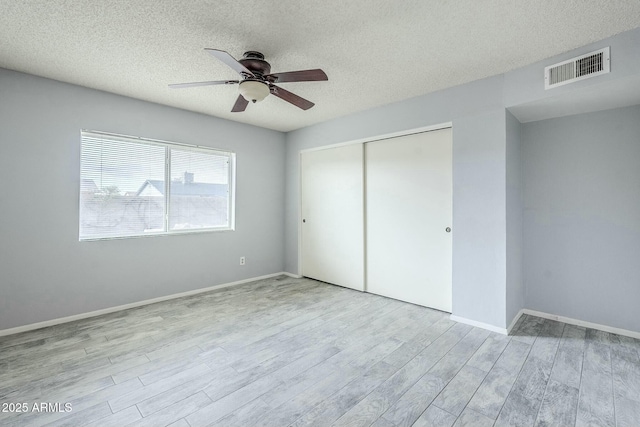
[[45, 273], [582, 216], [515, 283], [479, 239], [479, 183]]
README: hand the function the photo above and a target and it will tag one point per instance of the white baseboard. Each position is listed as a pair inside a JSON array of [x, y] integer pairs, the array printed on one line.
[[95, 313], [475, 323], [503, 331], [514, 321], [295, 276], [585, 324], [568, 320]]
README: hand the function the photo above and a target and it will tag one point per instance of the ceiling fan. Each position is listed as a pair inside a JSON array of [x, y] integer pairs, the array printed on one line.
[[257, 82]]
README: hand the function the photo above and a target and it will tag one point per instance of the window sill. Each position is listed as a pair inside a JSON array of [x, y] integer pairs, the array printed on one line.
[[162, 234]]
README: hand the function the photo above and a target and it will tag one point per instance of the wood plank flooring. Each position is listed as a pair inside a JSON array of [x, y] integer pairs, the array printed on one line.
[[296, 352]]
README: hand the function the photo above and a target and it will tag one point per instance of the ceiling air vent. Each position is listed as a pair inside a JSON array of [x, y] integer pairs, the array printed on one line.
[[575, 69]]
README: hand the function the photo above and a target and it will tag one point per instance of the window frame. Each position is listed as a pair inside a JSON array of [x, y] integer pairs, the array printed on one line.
[[168, 146]]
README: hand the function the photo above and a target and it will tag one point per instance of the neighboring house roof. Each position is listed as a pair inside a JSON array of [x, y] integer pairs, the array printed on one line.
[[88, 185], [153, 187]]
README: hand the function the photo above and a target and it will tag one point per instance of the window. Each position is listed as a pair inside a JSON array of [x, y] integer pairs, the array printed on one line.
[[136, 187]]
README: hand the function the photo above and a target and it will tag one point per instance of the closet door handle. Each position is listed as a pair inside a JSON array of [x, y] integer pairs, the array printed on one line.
[[448, 229]]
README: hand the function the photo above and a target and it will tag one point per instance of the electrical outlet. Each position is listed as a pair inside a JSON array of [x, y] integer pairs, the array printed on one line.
[[243, 261]]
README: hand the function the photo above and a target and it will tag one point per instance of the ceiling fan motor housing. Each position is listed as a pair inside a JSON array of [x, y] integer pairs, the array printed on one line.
[[254, 62]]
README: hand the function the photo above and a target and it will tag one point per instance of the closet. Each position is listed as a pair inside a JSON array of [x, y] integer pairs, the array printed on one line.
[[377, 216]]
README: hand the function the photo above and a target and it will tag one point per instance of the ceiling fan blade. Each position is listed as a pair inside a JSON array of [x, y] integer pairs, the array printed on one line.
[[292, 98], [240, 105], [195, 84], [298, 76], [230, 61]]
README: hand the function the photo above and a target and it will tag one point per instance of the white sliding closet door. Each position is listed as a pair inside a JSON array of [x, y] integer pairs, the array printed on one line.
[[408, 210], [333, 215]]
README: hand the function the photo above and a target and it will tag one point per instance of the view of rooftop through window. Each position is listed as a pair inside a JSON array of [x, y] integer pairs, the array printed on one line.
[[124, 190]]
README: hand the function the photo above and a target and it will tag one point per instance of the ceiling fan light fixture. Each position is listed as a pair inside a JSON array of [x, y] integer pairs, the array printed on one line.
[[253, 90]]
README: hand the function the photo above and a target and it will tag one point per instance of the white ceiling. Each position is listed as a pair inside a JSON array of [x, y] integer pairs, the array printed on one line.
[[375, 52]]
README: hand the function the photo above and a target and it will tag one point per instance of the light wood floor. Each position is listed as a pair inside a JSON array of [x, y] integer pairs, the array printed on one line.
[[295, 352]]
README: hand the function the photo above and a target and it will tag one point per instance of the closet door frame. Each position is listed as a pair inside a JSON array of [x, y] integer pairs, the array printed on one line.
[[357, 141]]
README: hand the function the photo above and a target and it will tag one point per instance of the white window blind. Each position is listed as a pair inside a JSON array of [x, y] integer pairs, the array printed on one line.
[[124, 183]]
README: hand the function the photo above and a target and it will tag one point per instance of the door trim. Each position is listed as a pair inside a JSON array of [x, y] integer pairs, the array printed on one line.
[[444, 125]]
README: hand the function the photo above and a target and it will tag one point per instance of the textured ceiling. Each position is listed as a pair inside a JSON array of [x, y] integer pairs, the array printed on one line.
[[375, 52]]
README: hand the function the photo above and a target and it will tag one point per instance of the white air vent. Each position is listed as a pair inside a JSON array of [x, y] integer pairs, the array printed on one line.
[[575, 69]]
